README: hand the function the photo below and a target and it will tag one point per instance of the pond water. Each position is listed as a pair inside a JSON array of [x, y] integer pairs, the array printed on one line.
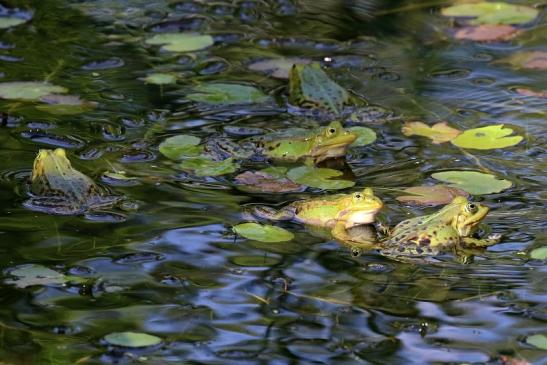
[[172, 267]]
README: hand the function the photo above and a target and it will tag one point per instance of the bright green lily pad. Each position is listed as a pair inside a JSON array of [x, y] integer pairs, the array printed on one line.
[[492, 13], [318, 177], [181, 42], [539, 253], [28, 90], [10, 21], [183, 145], [475, 183], [30, 275], [539, 341], [202, 166], [486, 138], [132, 339], [160, 79], [364, 136], [262, 232], [227, 94]]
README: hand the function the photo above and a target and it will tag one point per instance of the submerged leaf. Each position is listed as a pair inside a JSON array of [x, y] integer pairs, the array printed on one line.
[[65, 104], [263, 232], [539, 341], [278, 67], [431, 195], [160, 79], [30, 275], [264, 182], [28, 90], [227, 94], [492, 12], [365, 136], [539, 253], [438, 133], [528, 92], [132, 339], [536, 60], [318, 177], [475, 183], [487, 33], [183, 145], [10, 21], [181, 42], [486, 138], [202, 166]]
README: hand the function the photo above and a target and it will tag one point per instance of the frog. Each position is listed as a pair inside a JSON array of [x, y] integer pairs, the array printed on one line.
[[311, 87], [57, 188], [338, 212], [451, 228]]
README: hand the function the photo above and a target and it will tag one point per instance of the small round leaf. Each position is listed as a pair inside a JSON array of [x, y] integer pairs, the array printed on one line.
[[539, 253], [181, 42], [486, 138], [28, 90], [160, 79], [475, 183], [263, 232], [202, 166], [318, 177], [364, 136], [132, 339], [539, 341], [183, 145]]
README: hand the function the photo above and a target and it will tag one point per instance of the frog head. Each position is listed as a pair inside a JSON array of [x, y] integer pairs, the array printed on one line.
[[331, 142], [50, 162], [359, 208], [467, 215]]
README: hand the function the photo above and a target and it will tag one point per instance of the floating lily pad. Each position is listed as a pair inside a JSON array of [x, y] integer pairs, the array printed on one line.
[[178, 147], [539, 341], [263, 232], [202, 166], [181, 42], [364, 136], [431, 195], [475, 183], [487, 33], [227, 94], [535, 60], [28, 90], [492, 13], [30, 275], [10, 21], [486, 138], [278, 67], [132, 339], [265, 182], [64, 104], [438, 133], [318, 178], [160, 79], [539, 253]]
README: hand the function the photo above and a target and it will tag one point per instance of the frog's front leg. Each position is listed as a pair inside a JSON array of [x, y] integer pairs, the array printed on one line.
[[265, 212], [355, 243], [482, 242]]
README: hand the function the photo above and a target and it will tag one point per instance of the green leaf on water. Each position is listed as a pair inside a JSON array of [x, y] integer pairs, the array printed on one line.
[[132, 339], [262, 232], [28, 90], [160, 79], [10, 21], [539, 253], [202, 166], [492, 13], [183, 145], [486, 138], [431, 195], [318, 177], [475, 183], [364, 136], [227, 94], [181, 42], [30, 275], [278, 67], [539, 341]]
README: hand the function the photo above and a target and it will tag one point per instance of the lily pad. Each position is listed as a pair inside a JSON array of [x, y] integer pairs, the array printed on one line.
[[539, 341], [10, 21], [263, 232], [160, 79], [132, 339], [431, 195], [365, 136], [227, 94], [181, 42], [438, 133], [30, 275], [539, 253], [64, 104], [492, 13], [265, 182], [535, 60], [475, 183], [318, 177], [178, 147], [278, 67], [487, 33], [28, 90], [202, 166], [486, 138]]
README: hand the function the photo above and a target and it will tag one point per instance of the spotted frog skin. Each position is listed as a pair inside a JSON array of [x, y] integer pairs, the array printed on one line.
[[57, 188], [450, 228], [311, 87], [329, 142], [339, 212]]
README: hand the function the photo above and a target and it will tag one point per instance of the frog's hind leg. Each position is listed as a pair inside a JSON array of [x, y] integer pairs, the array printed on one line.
[[269, 213], [483, 242]]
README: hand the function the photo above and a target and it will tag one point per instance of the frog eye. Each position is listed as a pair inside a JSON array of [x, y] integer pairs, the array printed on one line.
[[331, 131], [357, 196], [471, 207]]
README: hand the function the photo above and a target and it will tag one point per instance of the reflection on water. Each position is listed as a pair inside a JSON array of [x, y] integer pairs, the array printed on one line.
[[174, 268]]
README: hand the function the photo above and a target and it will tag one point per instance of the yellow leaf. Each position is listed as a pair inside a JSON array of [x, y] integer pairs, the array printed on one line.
[[438, 133]]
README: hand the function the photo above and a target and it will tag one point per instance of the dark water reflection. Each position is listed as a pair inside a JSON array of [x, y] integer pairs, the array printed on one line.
[[174, 269]]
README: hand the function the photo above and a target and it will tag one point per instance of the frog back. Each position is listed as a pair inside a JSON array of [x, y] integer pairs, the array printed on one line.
[[322, 212]]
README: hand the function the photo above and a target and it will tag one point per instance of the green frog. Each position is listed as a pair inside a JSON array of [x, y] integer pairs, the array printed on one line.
[[338, 212], [449, 229], [57, 188], [325, 143], [311, 87]]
